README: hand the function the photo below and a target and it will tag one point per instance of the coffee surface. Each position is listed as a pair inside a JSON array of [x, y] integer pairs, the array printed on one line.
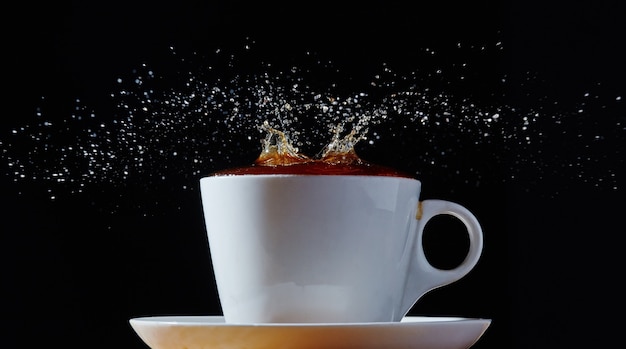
[[317, 167], [279, 156]]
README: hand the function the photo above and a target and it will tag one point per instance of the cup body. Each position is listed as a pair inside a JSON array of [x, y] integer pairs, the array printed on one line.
[[315, 248]]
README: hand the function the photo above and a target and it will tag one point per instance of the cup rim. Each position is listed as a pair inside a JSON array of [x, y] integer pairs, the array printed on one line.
[[303, 175]]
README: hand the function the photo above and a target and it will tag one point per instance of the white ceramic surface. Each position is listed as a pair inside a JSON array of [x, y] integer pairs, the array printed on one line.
[[204, 332], [326, 249]]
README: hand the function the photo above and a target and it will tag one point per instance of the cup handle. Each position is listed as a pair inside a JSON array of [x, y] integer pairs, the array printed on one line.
[[422, 276]]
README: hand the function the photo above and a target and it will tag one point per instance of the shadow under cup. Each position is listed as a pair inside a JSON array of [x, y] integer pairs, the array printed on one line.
[[323, 248]]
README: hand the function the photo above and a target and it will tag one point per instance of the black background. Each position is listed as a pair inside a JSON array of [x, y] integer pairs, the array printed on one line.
[[74, 273]]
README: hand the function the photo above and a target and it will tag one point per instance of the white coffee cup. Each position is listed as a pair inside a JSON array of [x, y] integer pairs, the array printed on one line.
[[324, 248]]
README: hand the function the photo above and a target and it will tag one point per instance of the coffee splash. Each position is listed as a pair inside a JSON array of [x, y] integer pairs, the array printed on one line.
[[279, 156], [278, 150]]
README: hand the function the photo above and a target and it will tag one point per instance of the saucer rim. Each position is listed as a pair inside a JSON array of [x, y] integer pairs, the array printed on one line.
[[218, 320]]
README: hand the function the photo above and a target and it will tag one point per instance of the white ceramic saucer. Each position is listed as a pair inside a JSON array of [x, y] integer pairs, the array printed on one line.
[[204, 332]]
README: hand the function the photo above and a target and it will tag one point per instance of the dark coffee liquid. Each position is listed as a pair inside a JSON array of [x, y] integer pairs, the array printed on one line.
[[280, 157], [337, 164]]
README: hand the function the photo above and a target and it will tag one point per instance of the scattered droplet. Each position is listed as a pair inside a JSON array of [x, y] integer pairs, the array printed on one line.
[[205, 115]]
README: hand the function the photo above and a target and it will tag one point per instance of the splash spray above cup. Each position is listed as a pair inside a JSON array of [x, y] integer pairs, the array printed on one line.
[[334, 240]]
